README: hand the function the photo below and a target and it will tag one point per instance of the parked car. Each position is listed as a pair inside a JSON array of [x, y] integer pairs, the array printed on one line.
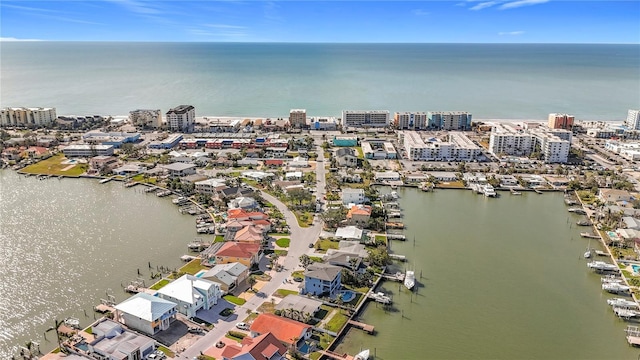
[[242, 326]]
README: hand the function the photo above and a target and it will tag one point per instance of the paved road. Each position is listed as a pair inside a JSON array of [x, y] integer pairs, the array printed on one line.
[[300, 240]]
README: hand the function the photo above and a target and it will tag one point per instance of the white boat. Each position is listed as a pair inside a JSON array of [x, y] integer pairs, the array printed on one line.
[[410, 279], [72, 322], [362, 355], [610, 279], [615, 287], [488, 191], [381, 298], [622, 303], [602, 266], [587, 254]]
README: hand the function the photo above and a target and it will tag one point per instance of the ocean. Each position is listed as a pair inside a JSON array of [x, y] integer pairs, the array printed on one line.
[[492, 81]]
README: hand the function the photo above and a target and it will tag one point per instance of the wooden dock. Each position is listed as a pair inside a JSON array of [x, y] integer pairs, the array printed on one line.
[[396, 237], [366, 327], [335, 355], [394, 225], [633, 335], [399, 276]]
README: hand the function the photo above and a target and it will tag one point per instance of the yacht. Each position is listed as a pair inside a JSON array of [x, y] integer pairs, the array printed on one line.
[[488, 191], [615, 287], [587, 254], [602, 266], [362, 355], [410, 279], [622, 303]]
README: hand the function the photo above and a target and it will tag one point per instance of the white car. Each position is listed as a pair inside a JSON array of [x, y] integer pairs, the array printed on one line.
[[242, 326]]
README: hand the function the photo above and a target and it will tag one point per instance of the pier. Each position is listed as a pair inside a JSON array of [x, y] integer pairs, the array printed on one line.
[[366, 327], [399, 276], [398, 257], [396, 237], [394, 225], [335, 356], [633, 335]]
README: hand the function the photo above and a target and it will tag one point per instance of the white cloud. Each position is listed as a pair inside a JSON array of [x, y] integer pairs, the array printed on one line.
[[520, 3], [484, 5], [225, 26], [16, 39], [511, 33], [420, 12]]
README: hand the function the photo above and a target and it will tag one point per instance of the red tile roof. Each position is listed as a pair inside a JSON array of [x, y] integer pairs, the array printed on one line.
[[239, 250], [286, 330]]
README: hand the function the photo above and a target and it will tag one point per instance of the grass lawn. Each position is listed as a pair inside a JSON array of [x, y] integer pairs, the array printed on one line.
[[192, 267], [280, 252], [315, 259], [360, 152], [283, 242], [219, 238], [381, 238], [278, 234], [337, 321], [281, 293], [205, 357], [53, 166], [167, 351], [326, 244], [159, 284], [266, 307], [235, 300], [305, 218], [298, 274], [249, 319]]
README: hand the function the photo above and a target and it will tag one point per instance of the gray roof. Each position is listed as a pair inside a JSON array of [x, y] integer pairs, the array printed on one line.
[[299, 303], [146, 307], [179, 166], [345, 151], [226, 273], [322, 271]]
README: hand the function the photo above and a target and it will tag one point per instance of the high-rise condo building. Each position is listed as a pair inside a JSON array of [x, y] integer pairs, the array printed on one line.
[[181, 118], [449, 120], [368, 118], [410, 120], [633, 120], [298, 118], [561, 121], [27, 117], [146, 118]]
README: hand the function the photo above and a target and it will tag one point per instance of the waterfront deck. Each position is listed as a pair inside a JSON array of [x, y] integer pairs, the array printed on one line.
[[366, 327], [335, 355]]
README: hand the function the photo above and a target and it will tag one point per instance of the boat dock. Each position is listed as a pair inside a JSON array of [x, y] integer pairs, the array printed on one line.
[[104, 181], [394, 225], [589, 235], [335, 356], [399, 276], [188, 258], [633, 335], [398, 257], [366, 327], [396, 237], [102, 308]]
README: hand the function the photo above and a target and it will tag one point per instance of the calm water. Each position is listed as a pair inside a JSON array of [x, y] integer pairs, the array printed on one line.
[[501, 279], [63, 243], [599, 82]]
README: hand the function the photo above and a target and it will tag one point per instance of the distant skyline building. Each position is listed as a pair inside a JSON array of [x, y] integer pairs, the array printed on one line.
[[181, 118], [146, 118], [410, 120], [27, 117], [365, 118], [633, 119], [560, 121], [298, 118], [449, 120]]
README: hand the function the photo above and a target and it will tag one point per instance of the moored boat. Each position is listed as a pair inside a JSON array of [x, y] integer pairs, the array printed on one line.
[[410, 279], [615, 288], [362, 355]]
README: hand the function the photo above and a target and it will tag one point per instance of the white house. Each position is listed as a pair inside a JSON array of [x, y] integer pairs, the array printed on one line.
[[299, 162], [191, 294], [243, 203], [113, 342], [386, 176], [146, 313], [352, 196], [293, 175], [180, 169]]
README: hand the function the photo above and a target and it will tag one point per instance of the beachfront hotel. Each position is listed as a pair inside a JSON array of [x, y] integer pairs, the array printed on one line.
[[449, 120], [633, 119], [458, 147], [27, 117], [146, 118], [410, 120], [553, 144], [298, 118], [561, 121], [181, 118], [368, 118]]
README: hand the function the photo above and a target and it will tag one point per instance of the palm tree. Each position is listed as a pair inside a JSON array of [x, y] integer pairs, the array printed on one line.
[[55, 328], [252, 281]]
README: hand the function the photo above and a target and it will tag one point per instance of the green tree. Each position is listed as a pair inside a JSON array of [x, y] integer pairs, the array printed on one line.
[[305, 260]]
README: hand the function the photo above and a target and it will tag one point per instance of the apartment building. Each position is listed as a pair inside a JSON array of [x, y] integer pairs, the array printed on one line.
[[181, 118], [410, 120], [553, 144], [27, 117], [449, 120], [561, 121], [458, 147], [298, 118], [633, 119], [146, 118], [368, 118]]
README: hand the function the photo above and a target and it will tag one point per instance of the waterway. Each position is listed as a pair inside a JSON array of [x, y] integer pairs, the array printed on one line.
[[65, 242], [499, 278]]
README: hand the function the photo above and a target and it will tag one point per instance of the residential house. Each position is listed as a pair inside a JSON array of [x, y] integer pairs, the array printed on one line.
[[298, 162], [273, 163], [445, 176], [293, 175], [386, 176], [263, 347], [322, 280], [610, 196], [349, 233], [113, 342], [508, 180], [352, 196], [359, 215], [228, 276], [243, 203], [246, 254], [346, 157], [299, 308], [247, 235], [146, 313], [631, 223], [180, 169], [227, 193], [289, 332], [257, 175], [191, 294], [12, 154], [102, 164], [241, 214], [38, 152]]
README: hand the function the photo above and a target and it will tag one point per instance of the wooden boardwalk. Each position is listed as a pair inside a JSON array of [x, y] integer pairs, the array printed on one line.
[[336, 356], [366, 327]]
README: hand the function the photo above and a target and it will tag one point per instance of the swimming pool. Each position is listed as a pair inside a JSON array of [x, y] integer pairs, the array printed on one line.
[[348, 295], [636, 268], [200, 273]]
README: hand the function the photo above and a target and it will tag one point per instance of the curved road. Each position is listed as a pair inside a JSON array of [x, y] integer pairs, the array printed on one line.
[[300, 240]]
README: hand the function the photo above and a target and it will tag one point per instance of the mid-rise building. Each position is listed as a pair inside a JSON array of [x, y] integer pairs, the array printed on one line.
[[87, 150], [298, 118], [368, 118], [561, 121], [410, 121], [146, 118], [633, 119], [181, 118], [458, 148], [323, 123], [449, 120], [553, 144], [27, 117]]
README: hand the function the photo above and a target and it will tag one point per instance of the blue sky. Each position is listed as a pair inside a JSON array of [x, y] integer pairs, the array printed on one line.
[[461, 21]]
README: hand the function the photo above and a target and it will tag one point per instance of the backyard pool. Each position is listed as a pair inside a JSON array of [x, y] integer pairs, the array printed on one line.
[[348, 295], [200, 273], [636, 268]]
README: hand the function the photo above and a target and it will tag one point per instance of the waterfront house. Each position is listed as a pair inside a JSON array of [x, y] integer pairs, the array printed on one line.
[[86, 150], [209, 186], [386, 176], [113, 342], [12, 154], [102, 164], [38, 152], [448, 176], [289, 332], [359, 215], [243, 203], [146, 313], [180, 169], [249, 235], [346, 157], [127, 170], [191, 294], [612, 196], [352, 196], [263, 347], [508, 180], [241, 214], [299, 308], [228, 276], [230, 252], [322, 280], [349, 233]]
